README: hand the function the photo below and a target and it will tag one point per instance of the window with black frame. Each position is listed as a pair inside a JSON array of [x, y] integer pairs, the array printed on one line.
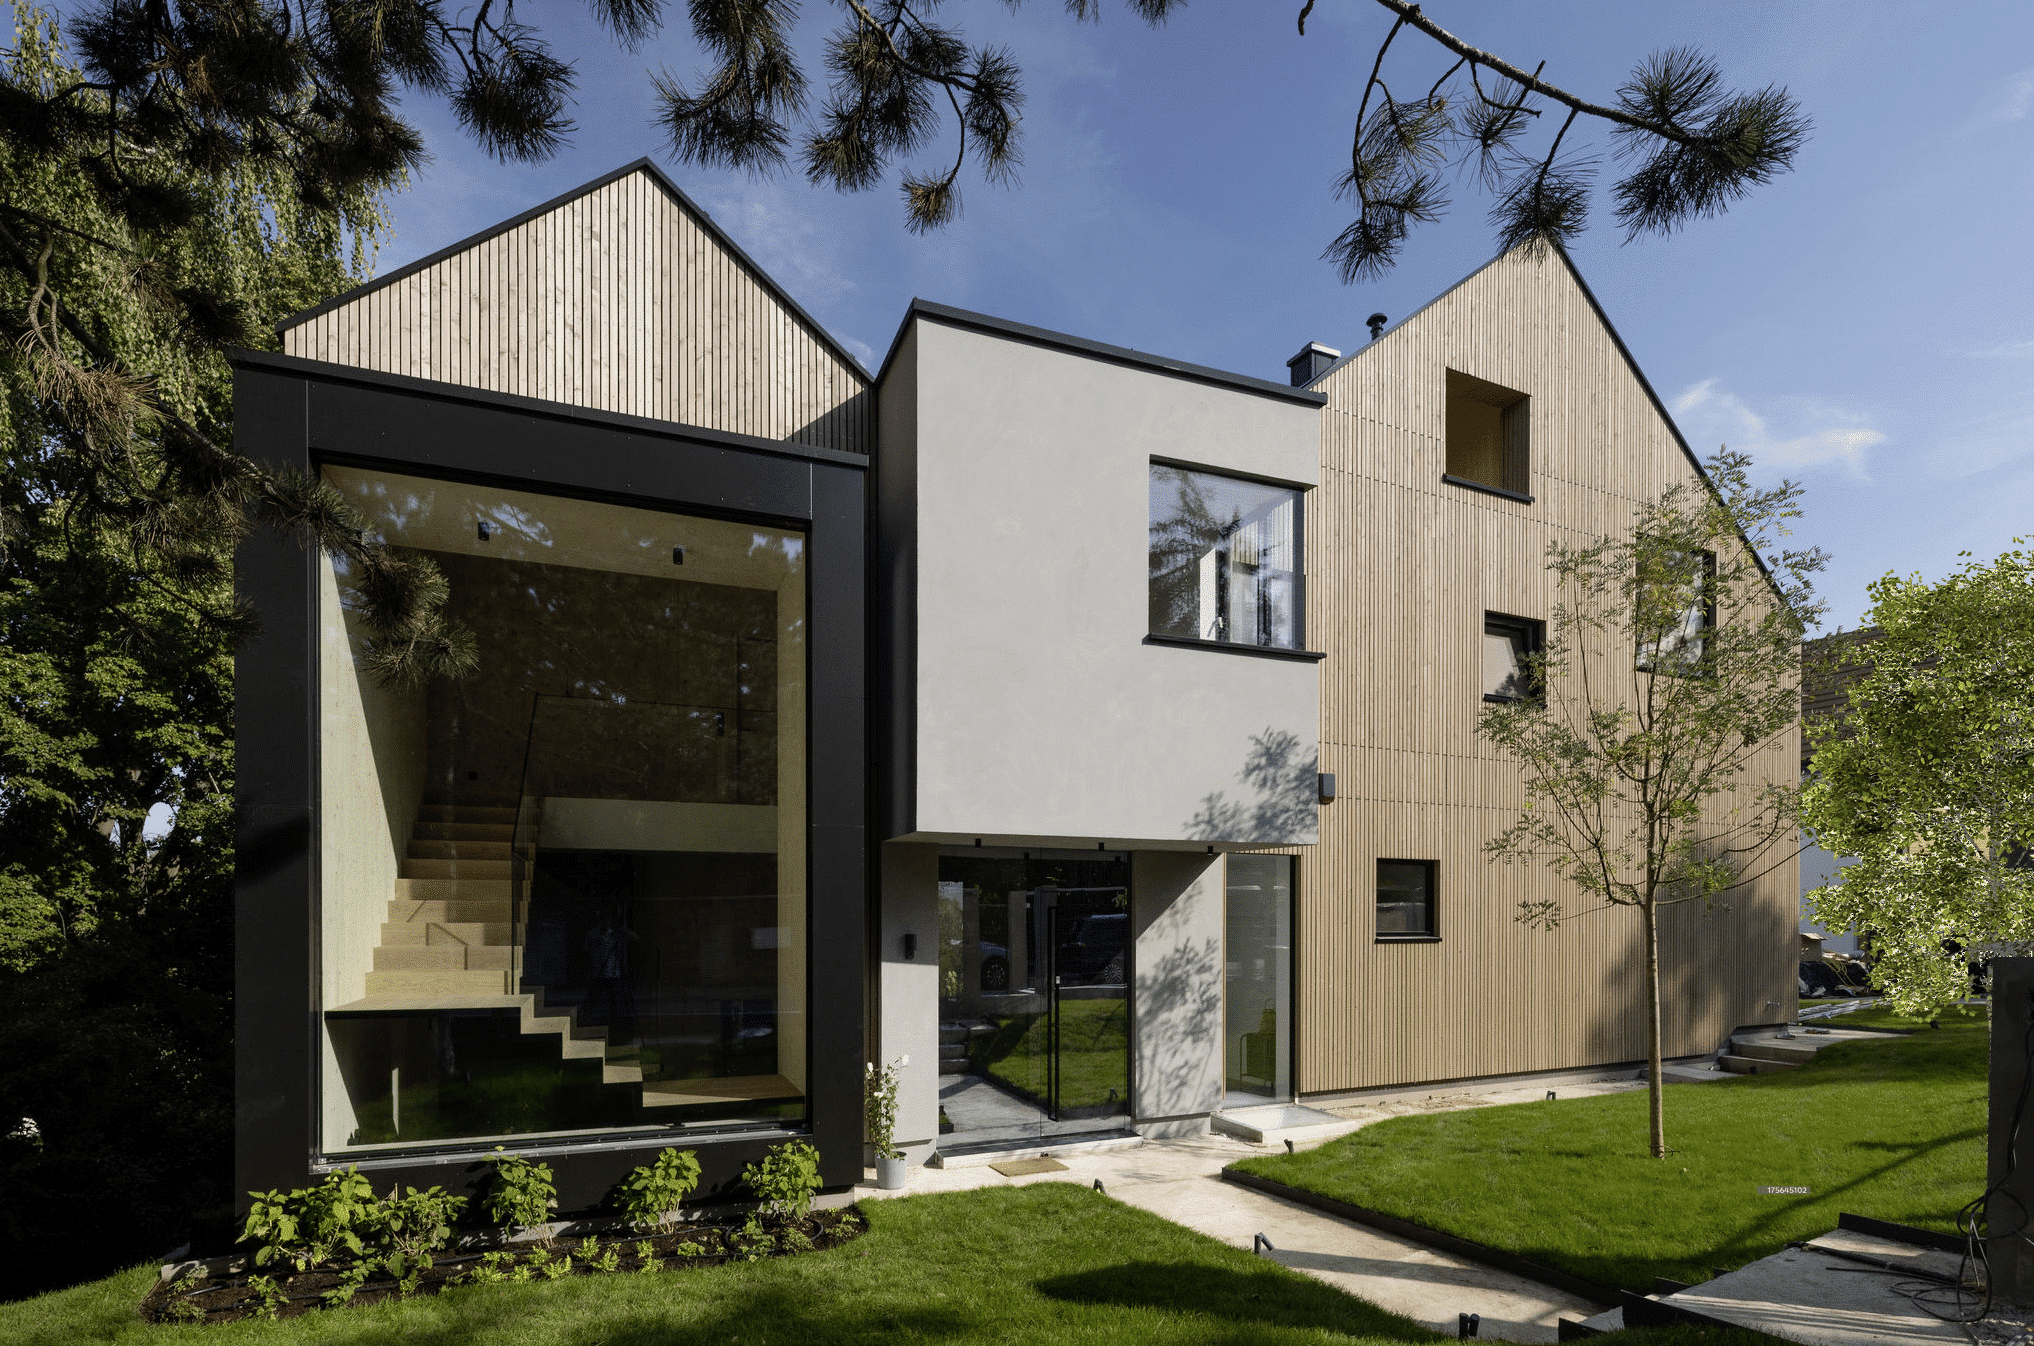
[[1224, 559], [1405, 900], [1511, 650]]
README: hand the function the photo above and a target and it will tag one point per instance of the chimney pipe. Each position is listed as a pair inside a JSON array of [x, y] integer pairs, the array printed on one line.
[[1376, 322], [1312, 362]]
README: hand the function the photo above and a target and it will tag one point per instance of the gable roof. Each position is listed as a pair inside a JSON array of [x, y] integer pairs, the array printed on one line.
[[621, 295]]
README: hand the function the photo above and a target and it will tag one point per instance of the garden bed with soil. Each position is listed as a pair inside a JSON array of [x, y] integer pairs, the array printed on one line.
[[225, 1297]]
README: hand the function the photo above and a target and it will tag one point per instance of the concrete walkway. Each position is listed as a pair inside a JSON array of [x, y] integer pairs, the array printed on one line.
[[1179, 1180]]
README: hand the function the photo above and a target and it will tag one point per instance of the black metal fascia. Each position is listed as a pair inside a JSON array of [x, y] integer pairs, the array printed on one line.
[[292, 415], [949, 316], [656, 175]]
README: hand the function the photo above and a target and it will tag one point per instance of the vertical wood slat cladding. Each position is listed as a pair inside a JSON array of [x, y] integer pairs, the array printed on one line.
[[1400, 570], [617, 300]]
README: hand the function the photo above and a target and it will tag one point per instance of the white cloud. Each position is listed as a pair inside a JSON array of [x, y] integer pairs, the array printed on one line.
[[2013, 101], [1710, 414], [2005, 350]]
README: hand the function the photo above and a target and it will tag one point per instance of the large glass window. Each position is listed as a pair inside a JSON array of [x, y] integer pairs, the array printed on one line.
[[566, 893], [1676, 610], [1225, 559], [1257, 978], [1511, 649]]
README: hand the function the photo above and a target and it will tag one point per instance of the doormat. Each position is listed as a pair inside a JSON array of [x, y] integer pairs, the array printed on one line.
[[1018, 1168]]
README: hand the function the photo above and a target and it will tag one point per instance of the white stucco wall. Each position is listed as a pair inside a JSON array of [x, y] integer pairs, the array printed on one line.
[[1819, 866], [1176, 1013], [1038, 710], [909, 990]]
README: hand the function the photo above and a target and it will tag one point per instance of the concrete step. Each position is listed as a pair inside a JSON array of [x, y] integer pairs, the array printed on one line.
[[953, 1051], [443, 957], [456, 869], [949, 1066], [469, 933], [1748, 1065], [480, 911], [467, 813], [460, 850], [468, 890], [949, 1033], [464, 831], [410, 985], [469, 799], [1769, 1050]]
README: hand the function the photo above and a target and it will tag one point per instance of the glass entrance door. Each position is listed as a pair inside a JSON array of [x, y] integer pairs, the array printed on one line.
[[1034, 961]]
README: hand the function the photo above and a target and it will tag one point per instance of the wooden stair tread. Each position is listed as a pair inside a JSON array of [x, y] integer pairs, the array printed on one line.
[[733, 1089]]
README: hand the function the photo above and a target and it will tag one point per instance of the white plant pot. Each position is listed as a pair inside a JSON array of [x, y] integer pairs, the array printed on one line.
[[892, 1174]]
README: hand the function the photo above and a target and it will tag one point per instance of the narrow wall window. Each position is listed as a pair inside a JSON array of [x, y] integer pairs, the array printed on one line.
[[1488, 434], [1676, 610], [1257, 978], [1224, 559], [1405, 900], [1510, 645], [566, 893]]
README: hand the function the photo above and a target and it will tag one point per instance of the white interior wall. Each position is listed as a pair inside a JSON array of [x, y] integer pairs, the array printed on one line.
[[371, 779]]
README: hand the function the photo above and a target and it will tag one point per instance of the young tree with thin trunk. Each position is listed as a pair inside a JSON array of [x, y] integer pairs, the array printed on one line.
[[1670, 676]]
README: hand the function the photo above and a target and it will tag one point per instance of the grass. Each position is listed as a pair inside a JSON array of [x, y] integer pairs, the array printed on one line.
[[1892, 1129], [1879, 1017], [1047, 1264]]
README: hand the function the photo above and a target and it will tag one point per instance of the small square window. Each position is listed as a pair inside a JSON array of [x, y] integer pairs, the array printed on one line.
[[1405, 900], [1510, 645], [1677, 610], [1224, 559], [1488, 434]]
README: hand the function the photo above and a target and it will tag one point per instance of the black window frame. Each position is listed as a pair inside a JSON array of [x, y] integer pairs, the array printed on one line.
[[1300, 490], [1432, 934], [294, 414], [1535, 632]]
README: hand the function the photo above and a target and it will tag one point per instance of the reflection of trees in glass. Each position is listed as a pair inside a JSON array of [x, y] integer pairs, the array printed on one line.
[[950, 937], [1182, 532]]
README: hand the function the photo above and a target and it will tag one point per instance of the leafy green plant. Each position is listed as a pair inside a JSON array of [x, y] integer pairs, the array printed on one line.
[[308, 1225], [409, 1229], [489, 1272], [689, 1249], [879, 1106], [180, 1307], [349, 1285], [269, 1297], [785, 1179], [597, 1257], [551, 1268], [650, 1195], [520, 1193], [647, 1256]]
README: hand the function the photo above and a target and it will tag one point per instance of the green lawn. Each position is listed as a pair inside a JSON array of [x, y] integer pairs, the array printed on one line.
[[1893, 1129], [1050, 1263], [1880, 1017]]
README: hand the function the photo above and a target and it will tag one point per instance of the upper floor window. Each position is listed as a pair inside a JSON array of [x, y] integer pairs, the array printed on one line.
[[1488, 440], [1225, 558], [1676, 609], [1510, 645]]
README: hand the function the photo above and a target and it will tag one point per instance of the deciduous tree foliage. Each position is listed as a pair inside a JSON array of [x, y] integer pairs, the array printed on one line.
[[1926, 778], [117, 626], [1672, 664]]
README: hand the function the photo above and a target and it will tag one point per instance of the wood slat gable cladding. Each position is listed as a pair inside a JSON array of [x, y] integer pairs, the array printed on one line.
[[620, 299], [1401, 568]]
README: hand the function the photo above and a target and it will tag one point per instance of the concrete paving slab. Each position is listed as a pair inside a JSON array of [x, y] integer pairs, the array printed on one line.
[[1180, 1181], [1831, 1301]]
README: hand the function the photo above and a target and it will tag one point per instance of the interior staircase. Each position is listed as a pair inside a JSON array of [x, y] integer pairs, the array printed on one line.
[[450, 940]]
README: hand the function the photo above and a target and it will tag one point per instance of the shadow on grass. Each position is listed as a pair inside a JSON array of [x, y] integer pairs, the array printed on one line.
[[1267, 1297]]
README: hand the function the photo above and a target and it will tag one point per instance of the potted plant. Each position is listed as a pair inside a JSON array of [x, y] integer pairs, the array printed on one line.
[[880, 1105]]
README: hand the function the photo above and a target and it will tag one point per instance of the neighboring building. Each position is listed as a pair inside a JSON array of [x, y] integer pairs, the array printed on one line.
[[1095, 729]]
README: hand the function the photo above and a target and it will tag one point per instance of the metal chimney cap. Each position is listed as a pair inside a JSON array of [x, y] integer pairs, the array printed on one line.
[[1375, 322]]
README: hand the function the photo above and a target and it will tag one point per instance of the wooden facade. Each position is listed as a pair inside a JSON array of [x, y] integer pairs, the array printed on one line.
[[1401, 567], [621, 296]]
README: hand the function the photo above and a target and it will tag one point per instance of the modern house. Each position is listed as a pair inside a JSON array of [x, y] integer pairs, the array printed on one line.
[[1093, 728]]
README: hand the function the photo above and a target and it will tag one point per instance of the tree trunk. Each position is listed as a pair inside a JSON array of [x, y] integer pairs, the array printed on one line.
[[1655, 1084]]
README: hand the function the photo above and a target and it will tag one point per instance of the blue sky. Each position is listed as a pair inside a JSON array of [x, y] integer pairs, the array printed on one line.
[[1864, 324]]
